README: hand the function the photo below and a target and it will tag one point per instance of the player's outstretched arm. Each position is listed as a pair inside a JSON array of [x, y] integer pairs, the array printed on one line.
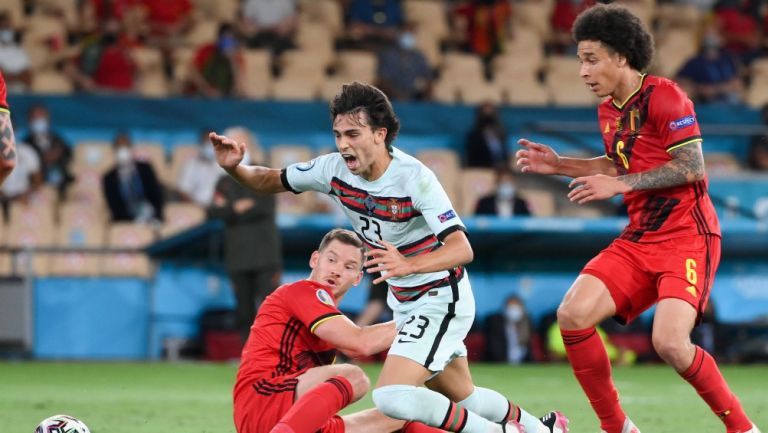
[[7, 146], [355, 341], [686, 166], [229, 154], [542, 159]]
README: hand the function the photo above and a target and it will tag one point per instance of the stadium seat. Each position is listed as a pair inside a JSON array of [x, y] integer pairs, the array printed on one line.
[[445, 92], [541, 202], [534, 15], [446, 166], [525, 43], [357, 65], [26, 237], [203, 31], [6, 263], [673, 49], [15, 9], [475, 183], [74, 214], [216, 10], [670, 15], [429, 15], [295, 88], [326, 13], [283, 155], [522, 90], [179, 157], [429, 45], [643, 9], [181, 59], [127, 236], [258, 73], [150, 74], [24, 215], [51, 82], [153, 153], [564, 84], [721, 164], [757, 94], [45, 196], [87, 189], [79, 228], [181, 216], [478, 92], [92, 156]]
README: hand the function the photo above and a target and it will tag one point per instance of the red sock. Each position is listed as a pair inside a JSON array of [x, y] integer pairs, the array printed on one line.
[[316, 407], [706, 378], [417, 427], [592, 369]]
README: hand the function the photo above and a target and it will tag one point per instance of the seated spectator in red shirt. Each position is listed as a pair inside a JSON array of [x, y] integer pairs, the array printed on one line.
[[168, 18], [739, 28], [217, 69], [563, 15], [105, 63], [482, 25]]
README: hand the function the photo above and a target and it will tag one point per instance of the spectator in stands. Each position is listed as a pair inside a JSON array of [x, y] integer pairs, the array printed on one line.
[[486, 143], [403, 71], [198, 177], [482, 26], [252, 251], [739, 28], [25, 179], [757, 158], [712, 75], [167, 20], [563, 15], [269, 24], [508, 333], [504, 201], [131, 188], [14, 61], [373, 23], [105, 63], [52, 150], [218, 67]]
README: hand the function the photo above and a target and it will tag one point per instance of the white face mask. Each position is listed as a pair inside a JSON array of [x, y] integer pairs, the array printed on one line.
[[39, 125], [407, 41], [7, 36], [514, 313], [506, 190], [123, 156]]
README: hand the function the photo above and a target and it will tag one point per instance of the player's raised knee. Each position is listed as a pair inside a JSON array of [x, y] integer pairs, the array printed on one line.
[[357, 378], [573, 316], [673, 351]]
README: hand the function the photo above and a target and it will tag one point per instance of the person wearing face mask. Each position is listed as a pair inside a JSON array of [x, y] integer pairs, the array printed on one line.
[[403, 72], [131, 188], [217, 68], [713, 74], [199, 175], [508, 333], [252, 247], [504, 202], [486, 142], [14, 61], [52, 150]]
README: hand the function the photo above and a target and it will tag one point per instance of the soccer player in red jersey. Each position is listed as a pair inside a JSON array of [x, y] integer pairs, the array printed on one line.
[[670, 249], [287, 382], [7, 140]]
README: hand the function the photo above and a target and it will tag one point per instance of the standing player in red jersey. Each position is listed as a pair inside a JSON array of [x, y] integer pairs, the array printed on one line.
[[287, 382], [670, 250], [7, 140]]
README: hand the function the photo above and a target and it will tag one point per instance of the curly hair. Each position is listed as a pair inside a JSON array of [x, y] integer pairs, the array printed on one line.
[[617, 28], [359, 97]]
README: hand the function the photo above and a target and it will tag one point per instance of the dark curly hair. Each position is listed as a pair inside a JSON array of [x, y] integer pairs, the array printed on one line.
[[356, 97], [617, 28]]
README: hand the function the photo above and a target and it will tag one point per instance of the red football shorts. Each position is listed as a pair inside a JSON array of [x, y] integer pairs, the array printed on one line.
[[261, 405], [640, 274]]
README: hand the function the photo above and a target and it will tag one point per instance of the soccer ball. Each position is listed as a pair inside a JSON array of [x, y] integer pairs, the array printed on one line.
[[62, 424]]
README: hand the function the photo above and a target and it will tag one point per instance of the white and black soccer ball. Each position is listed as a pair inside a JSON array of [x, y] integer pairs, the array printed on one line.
[[62, 424]]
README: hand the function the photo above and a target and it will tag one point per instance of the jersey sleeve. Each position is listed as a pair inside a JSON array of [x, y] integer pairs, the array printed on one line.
[[314, 175], [674, 116], [312, 304], [430, 199], [3, 95]]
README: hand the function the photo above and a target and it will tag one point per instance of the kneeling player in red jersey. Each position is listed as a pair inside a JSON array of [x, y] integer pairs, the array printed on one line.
[[7, 140], [286, 381]]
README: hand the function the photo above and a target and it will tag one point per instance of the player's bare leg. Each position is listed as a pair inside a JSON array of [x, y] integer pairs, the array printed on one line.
[[399, 395], [586, 304], [317, 375], [672, 325], [455, 382], [370, 421]]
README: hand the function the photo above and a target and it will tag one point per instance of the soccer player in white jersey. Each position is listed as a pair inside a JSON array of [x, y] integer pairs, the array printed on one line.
[[418, 243]]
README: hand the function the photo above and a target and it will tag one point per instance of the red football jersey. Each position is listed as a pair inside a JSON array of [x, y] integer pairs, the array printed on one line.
[[638, 136], [281, 340], [3, 93]]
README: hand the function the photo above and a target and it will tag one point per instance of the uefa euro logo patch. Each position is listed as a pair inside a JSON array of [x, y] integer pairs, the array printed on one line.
[[682, 122], [443, 217], [324, 297]]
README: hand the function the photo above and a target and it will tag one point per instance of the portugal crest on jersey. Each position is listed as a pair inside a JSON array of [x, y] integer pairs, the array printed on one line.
[[394, 208]]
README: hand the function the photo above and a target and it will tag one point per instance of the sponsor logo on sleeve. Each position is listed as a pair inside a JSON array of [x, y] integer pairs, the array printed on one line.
[[306, 166], [682, 122], [445, 216], [324, 297]]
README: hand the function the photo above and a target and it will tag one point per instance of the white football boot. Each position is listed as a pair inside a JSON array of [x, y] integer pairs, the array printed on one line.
[[555, 422]]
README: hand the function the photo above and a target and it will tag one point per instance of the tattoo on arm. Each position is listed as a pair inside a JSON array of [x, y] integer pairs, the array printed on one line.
[[7, 140], [686, 166]]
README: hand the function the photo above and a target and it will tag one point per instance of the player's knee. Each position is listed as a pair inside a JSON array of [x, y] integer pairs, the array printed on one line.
[[357, 378], [572, 316], [396, 401], [674, 351]]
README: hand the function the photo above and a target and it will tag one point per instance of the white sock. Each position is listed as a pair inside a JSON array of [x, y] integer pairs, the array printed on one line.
[[408, 402], [531, 423], [493, 406]]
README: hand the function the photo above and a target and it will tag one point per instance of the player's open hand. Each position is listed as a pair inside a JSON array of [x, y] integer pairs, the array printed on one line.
[[388, 261], [536, 158], [228, 152], [598, 187]]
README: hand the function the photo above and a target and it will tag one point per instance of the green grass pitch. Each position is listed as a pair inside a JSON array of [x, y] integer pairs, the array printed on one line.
[[196, 397]]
